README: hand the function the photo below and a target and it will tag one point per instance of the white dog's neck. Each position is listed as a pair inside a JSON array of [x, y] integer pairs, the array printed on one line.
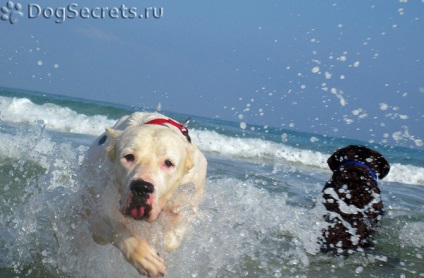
[[142, 118]]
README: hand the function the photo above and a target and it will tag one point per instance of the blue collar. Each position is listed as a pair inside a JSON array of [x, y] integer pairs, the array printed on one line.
[[361, 164]]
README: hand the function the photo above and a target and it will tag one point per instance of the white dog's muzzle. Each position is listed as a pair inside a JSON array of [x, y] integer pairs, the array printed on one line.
[[139, 201]]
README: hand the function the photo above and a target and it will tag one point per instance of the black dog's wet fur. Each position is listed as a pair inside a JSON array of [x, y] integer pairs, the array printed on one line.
[[354, 185]]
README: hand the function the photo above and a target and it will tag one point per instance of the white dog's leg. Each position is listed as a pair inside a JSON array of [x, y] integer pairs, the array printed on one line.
[[177, 227], [107, 225], [142, 256], [178, 215], [136, 251]]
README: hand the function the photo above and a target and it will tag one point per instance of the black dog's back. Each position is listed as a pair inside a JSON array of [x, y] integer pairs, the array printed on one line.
[[352, 198]]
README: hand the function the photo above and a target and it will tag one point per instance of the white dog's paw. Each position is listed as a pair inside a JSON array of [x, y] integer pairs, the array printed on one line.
[[144, 257]]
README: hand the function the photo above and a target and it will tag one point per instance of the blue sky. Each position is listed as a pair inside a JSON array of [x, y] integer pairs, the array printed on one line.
[[341, 68]]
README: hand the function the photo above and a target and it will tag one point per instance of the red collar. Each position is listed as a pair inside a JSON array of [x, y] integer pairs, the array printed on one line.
[[180, 127]]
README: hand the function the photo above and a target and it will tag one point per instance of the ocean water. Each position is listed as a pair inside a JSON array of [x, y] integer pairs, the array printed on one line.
[[261, 216]]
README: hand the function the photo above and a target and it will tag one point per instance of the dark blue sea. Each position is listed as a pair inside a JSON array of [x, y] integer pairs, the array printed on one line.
[[261, 216]]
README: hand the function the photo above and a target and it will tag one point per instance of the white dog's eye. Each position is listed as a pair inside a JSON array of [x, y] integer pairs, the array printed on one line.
[[129, 158], [168, 163]]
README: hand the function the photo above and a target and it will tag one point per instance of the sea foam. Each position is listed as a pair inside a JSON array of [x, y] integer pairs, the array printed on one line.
[[55, 117], [63, 119], [242, 230]]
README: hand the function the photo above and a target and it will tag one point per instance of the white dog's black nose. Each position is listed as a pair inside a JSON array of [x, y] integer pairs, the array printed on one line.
[[141, 187]]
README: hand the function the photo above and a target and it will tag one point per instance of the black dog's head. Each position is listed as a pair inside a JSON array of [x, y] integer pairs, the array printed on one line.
[[371, 158]]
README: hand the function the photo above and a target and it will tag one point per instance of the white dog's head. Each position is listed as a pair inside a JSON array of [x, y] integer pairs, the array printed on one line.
[[150, 162]]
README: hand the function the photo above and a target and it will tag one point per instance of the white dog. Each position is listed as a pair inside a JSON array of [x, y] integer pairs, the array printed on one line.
[[148, 180]]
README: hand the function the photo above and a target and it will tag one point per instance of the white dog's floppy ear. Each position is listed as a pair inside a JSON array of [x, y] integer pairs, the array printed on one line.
[[189, 163], [196, 165], [111, 149]]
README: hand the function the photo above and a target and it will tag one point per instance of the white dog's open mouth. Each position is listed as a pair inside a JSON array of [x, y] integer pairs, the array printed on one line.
[[139, 201]]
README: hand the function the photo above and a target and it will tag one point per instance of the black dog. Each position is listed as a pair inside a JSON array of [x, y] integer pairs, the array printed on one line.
[[352, 199]]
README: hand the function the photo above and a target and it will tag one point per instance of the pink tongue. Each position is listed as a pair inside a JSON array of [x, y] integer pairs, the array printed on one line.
[[137, 212]]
